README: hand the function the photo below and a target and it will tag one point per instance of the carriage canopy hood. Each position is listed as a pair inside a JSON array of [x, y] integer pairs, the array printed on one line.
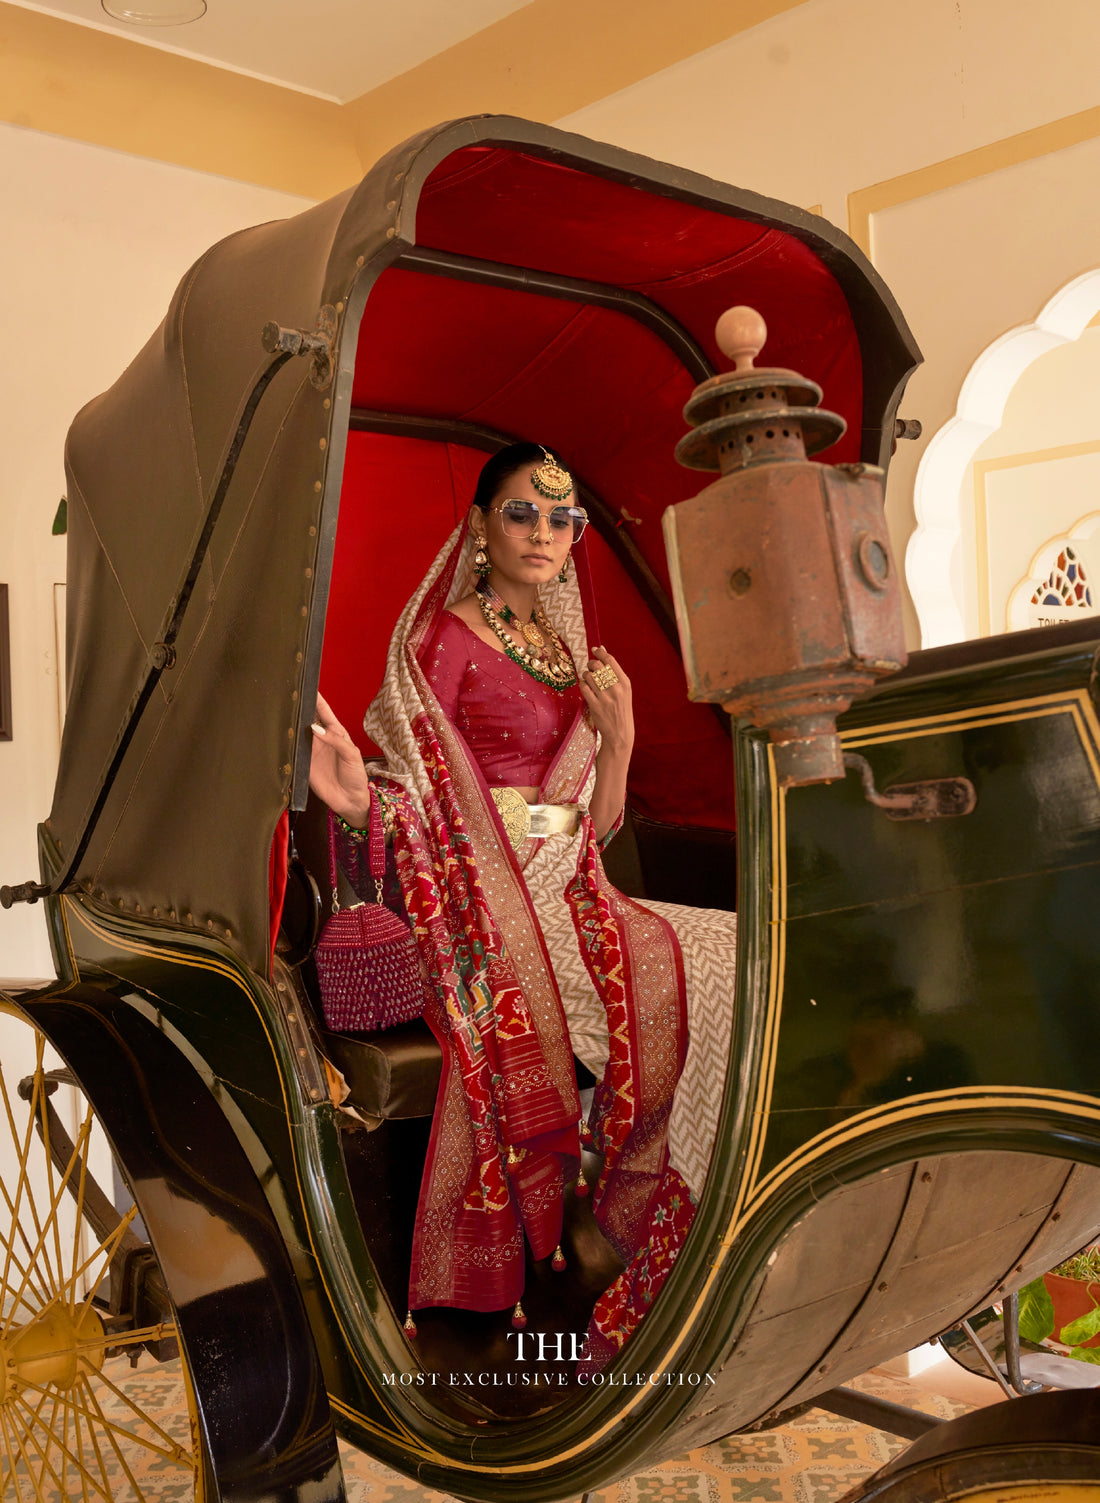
[[488, 279]]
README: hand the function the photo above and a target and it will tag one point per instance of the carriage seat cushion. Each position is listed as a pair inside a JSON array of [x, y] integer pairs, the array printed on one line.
[[390, 1074], [396, 1073]]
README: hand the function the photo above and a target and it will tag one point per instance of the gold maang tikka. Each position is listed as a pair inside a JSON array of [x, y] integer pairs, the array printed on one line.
[[550, 480]]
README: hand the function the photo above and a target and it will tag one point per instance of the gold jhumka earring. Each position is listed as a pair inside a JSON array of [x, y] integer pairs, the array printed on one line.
[[482, 564], [563, 573]]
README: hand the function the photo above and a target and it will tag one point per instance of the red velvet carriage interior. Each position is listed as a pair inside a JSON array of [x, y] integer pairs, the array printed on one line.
[[587, 378]]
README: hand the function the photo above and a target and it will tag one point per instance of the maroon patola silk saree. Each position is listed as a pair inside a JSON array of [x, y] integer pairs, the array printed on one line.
[[533, 957]]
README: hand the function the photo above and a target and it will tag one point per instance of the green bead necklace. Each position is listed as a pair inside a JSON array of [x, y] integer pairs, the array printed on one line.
[[551, 665]]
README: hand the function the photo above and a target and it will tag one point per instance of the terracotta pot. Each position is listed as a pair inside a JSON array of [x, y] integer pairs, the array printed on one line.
[[1072, 1298]]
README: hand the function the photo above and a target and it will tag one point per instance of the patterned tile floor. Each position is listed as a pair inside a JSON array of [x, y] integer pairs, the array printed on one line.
[[815, 1459], [124, 1435]]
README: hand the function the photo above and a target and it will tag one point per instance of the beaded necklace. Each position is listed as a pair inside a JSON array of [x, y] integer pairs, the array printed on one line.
[[550, 665]]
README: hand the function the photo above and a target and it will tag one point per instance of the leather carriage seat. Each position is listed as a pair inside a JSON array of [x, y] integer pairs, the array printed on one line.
[[391, 1074]]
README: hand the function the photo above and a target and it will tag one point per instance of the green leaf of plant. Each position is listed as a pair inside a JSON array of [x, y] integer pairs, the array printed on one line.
[[1036, 1312], [1084, 1328], [1087, 1354]]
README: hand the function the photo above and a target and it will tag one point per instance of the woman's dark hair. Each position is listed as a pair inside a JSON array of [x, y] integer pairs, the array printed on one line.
[[504, 463]]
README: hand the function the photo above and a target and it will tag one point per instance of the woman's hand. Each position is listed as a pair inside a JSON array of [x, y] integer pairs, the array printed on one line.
[[609, 708], [336, 771], [611, 713]]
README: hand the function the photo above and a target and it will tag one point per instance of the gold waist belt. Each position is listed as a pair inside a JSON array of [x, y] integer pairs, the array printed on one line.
[[522, 820]]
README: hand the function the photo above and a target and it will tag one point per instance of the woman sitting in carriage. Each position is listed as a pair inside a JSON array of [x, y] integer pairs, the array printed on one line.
[[504, 775]]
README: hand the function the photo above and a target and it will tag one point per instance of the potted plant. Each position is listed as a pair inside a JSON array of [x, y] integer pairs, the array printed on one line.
[[1065, 1305]]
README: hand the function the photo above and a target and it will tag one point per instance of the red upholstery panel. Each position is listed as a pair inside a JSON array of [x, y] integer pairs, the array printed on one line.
[[592, 383]]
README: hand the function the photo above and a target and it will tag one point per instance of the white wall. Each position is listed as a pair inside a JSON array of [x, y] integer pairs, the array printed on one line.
[[92, 245], [822, 102], [836, 97]]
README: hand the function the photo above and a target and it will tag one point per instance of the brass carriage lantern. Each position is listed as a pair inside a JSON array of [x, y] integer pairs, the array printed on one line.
[[787, 597]]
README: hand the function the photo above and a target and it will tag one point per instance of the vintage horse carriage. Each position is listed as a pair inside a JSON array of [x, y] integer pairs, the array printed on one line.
[[911, 1119]]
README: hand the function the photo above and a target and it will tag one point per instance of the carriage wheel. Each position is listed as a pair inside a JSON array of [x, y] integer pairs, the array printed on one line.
[[86, 1410], [1043, 1448]]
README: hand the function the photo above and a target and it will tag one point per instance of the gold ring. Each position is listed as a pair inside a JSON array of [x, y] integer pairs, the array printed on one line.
[[603, 676]]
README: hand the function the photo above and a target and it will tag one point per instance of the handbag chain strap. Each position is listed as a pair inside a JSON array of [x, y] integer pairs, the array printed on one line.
[[376, 850]]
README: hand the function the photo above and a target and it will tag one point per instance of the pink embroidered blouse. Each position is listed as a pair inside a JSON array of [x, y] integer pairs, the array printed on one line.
[[512, 724]]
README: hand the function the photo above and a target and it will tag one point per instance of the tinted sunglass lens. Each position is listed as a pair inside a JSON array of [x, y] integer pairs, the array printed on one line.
[[570, 518], [519, 517]]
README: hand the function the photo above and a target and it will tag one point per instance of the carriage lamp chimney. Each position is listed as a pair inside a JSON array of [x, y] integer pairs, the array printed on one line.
[[787, 597]]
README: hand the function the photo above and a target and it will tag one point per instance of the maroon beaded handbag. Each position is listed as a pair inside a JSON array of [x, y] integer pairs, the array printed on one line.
[[368, 966]]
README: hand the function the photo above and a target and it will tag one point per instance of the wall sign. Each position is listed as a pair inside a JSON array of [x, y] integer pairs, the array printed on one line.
[[5, 666]]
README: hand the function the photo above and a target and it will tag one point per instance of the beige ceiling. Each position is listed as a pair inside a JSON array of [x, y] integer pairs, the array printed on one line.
[[304, 95], [335, 48]]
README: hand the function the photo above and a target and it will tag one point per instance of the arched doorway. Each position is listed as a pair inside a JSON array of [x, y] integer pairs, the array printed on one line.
[[961, 554]]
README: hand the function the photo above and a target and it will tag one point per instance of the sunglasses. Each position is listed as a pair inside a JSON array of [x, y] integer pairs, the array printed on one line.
[[520, 519]]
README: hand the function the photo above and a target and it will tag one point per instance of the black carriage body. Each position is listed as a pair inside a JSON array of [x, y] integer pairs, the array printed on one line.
[[851, 1211]]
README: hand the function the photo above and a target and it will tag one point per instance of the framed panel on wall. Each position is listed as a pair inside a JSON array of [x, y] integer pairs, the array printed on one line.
[[5, 666], [59, 651]]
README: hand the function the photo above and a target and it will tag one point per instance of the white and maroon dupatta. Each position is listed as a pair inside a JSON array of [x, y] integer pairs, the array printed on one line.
[[505, 1135]]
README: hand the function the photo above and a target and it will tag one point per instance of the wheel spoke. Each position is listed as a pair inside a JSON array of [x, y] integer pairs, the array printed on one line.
[[31, 1438], [165, 1331], [177, 1453], [32, 1118], [78, 1223], [12, 1452], [60, 1403], [11, 1257], [51, 1429], [11, 1207], [66, 1453], [57, 1199], [23, 1269], [80, 1449], [43, 1438], [56, 1283], [9, 1480], [20, 1301], [106, 1250], [110, 1430], [29, 1430], [52, 1221], [22, 1144], [105, 1490]]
